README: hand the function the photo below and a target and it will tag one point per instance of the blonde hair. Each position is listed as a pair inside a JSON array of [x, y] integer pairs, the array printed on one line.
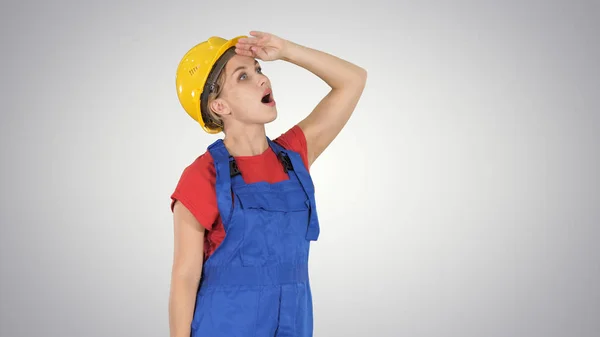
[[211, 118]]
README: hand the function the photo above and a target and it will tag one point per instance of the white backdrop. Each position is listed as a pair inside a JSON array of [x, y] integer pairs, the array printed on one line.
[[460, 200]]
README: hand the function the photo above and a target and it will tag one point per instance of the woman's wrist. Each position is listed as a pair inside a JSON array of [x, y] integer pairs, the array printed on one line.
[[288, 50]]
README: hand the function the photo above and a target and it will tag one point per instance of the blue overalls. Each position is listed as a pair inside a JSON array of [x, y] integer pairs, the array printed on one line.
[[256, 282]]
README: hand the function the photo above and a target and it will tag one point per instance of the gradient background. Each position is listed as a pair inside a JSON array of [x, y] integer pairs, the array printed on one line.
[[462, 199]]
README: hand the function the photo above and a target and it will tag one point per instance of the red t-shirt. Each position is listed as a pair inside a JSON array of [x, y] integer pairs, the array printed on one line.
[[196, 186]]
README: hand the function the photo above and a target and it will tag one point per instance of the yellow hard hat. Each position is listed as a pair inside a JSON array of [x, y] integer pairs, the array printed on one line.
[[192, 77]]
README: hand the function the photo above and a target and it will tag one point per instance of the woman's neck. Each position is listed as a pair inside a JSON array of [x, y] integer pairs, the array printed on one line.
[[246, 141]]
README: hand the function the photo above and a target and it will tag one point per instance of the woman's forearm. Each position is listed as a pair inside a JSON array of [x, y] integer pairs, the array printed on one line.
[[182, 300], [336, 72], [347, 82], [186, 271]]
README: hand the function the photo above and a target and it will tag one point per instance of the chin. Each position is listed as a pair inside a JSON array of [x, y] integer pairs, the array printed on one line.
[[271, 115], [270, 120], [263, 115]]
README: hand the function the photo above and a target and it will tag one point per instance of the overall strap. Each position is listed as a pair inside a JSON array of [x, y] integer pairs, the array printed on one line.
[[293, 162], [282, 155], [226, 168]]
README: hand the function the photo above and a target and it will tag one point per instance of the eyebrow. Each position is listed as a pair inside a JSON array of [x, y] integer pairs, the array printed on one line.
[[243, 67]]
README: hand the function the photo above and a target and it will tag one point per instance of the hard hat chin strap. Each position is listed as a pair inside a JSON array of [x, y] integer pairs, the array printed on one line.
[[213, 87]]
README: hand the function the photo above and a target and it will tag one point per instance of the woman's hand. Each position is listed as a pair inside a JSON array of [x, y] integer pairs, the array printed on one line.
[[263, 46]]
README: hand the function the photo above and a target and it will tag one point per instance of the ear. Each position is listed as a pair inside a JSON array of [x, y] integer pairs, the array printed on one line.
[[220, 107]]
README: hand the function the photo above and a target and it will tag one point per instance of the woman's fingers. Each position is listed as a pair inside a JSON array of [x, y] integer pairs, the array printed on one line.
[[257, 34], [244, 46], [251, 40], [244, 52], [256, 38], [260, 53], [246, 49], [254, 45]]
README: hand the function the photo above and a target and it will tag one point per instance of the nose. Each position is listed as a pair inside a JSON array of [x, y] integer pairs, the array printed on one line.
[[262, 80]]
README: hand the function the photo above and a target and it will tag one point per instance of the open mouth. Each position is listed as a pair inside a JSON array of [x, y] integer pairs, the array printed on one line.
[[268, 97]]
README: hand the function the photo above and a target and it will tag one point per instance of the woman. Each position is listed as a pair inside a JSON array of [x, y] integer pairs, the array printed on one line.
[[244, 211]]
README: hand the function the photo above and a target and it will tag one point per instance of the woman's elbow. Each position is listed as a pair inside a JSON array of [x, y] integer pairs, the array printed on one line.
[[360, 79]]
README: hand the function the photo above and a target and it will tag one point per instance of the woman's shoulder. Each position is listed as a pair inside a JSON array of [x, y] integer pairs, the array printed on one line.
[[195, 189], [200, 174], [202, 165]]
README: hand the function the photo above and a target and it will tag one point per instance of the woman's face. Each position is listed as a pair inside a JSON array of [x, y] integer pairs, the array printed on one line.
[[246, 95]]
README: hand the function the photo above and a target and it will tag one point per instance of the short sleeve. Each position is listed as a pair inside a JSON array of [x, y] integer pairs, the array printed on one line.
[[196, 191], [295, 140]]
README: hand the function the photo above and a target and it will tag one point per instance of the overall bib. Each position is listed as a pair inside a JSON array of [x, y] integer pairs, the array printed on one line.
[[256, 282]]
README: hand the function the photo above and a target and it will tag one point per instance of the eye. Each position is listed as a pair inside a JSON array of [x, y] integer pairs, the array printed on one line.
[[259, 70], [243, 76]]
